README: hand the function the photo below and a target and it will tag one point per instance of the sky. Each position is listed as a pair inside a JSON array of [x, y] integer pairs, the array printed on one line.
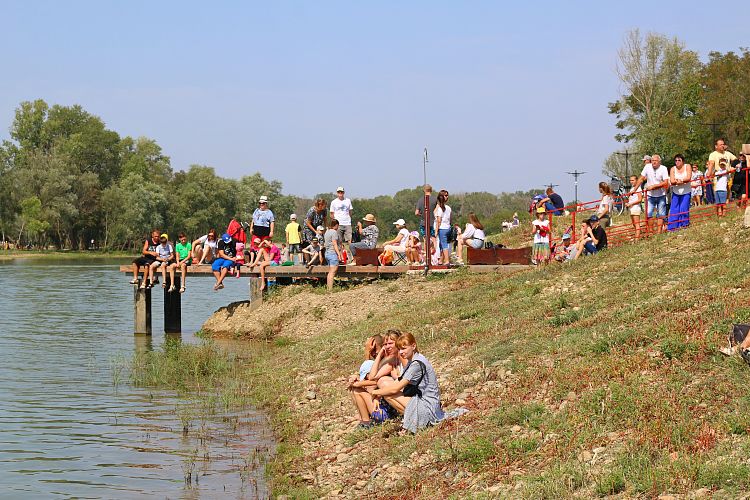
[[321, 94]]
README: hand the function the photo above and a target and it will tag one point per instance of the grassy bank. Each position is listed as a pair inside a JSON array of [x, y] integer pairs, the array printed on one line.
[[593, 378], [62, 254]]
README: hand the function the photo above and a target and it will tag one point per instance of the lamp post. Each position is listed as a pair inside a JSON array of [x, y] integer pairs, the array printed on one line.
[[576, 174]]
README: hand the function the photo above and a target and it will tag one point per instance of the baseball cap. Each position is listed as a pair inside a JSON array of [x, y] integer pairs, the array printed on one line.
[[340, 189], [321, 228], [164, 236], [263, 199], [226, 238], [400, 222], [315, 240], [293, 217], [541, 210], [566, 236], [594, 218]]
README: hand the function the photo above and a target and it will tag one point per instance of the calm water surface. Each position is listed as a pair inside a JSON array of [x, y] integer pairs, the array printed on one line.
[[69, 427]]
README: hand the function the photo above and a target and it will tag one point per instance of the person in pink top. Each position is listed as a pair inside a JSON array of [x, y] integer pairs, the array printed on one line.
[[270, 255]]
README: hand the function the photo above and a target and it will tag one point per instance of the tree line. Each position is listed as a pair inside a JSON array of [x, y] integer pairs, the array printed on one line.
[[672, 102], [66, 179]]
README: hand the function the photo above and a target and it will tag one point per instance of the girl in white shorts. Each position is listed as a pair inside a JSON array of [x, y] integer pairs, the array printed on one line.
[[635, 197]]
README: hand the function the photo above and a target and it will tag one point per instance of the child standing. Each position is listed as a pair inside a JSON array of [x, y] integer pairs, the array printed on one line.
[[240, 247], [720, 187], [696, 186], [540, 229], [293, 238]]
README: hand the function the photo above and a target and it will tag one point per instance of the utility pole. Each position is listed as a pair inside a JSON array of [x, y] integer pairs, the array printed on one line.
[[713, 126], [426, 215], [627, 154], [552, 186], [576, 174]]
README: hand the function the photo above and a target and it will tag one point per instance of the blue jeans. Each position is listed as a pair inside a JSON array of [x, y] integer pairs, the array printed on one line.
[[589, 248], [657, 206], [709, 189], [679, 212], [443, 237]]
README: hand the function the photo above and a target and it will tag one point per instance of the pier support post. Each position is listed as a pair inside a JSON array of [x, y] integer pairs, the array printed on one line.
[[256, 295], [142, 310], [173, 308]]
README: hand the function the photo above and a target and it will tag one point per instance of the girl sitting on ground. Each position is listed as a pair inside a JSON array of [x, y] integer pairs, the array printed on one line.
[[416, 394], [386, 366], [413, 248], [360, 381]]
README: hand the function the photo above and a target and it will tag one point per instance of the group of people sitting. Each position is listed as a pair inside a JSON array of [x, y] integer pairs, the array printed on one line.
[[395, 380]]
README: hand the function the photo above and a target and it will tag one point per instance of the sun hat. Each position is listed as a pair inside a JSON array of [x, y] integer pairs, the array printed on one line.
[[263, 199], [400, 222], [415, 234], [340, 189], [369, 218], [164, 236], [226, 238], [646, 158], [293, 217], [541, 210]]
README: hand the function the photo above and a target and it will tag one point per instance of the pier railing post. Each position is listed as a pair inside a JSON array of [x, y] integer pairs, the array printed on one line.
[[173, 308], [256, 294], [142, 310]]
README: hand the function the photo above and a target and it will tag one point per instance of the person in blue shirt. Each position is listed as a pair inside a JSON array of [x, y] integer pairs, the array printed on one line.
[[263, 220], [553, 202]]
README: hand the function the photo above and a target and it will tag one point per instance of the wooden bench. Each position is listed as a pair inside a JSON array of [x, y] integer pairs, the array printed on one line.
[[493, 256], [367, 256]]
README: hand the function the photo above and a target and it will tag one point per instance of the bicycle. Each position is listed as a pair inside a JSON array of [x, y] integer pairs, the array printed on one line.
[[618, 194]]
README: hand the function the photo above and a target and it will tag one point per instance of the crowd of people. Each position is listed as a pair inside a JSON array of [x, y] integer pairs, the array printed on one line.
[[326, 236], [668, 195]]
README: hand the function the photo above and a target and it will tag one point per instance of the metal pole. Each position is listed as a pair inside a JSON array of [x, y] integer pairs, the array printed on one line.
[[426, 216]]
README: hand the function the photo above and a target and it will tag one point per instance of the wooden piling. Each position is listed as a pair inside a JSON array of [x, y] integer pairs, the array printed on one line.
[[142, 310], [173, 308], [256, 294]]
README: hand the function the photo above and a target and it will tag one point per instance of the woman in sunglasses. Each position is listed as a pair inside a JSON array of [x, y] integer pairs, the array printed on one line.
[[204, 248], [263, 220]]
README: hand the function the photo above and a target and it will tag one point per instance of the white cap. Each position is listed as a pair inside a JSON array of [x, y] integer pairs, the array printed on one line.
[[293, 217], [340, 188], [263, 199], [321, 228], [400, 222]]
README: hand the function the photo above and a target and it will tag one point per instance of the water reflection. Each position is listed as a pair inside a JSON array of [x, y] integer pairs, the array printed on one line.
[[71, 424]]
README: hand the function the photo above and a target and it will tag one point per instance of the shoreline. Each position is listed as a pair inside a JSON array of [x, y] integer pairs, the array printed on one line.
[[6, 255]]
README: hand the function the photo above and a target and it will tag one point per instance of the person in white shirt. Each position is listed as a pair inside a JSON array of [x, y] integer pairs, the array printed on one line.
[[656, 177], [635, 197], [398, 244], [472, 235], [204, 248], [443, 225], [341, 210]]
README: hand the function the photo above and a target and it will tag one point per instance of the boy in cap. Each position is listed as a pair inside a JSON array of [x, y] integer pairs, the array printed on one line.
[[293, 238], [315, 253]]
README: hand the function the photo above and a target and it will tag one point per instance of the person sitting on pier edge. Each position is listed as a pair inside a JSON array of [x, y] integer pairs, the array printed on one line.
[[369, 234], [204, 248], [146, 259], [263, 220], [313, 253], [182, 249], [270, 255], [332, 251], [164, 259], [226, 251], [472, 235]]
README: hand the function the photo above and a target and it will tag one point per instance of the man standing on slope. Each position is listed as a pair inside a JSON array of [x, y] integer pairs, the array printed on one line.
[[341, 210], [656, 177], [719, 153]]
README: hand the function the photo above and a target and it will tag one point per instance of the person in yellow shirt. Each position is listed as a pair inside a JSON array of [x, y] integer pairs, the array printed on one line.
[[720, 153], [293, 238]]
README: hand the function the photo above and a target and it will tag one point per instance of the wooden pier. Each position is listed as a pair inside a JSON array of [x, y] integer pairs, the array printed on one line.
[[173, 300]]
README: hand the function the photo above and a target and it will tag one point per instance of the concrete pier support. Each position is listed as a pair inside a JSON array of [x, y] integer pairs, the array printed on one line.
[[256, 295], [173, 308], [142, 310]]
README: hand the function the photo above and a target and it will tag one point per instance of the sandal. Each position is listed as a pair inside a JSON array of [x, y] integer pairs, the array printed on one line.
[[134, 281], [164, 285], [143, 286], [182, 289], [172, 288]]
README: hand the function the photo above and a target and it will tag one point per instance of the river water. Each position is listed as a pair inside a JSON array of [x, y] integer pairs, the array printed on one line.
[[69, 427]]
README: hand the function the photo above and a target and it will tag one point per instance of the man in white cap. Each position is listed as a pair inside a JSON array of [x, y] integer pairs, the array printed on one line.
[[341, 210], [369, 233], [398, 244], [263, 220], [293, 237]]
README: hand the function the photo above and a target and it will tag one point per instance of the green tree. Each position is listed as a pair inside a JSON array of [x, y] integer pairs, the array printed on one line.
[[725, 97], [32, 218]]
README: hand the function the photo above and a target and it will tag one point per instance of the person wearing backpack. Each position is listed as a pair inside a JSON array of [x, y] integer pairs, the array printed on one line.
[[416, 394]]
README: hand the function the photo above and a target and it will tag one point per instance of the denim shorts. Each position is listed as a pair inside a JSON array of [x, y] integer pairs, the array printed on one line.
[[657, 206], [332, 258], [443, 237], [720, 197]]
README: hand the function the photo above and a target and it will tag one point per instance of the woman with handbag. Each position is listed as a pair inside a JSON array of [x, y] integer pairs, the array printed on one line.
[[416, 393]]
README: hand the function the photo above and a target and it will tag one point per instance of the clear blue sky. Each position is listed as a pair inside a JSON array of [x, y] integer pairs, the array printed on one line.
[[317, 94]]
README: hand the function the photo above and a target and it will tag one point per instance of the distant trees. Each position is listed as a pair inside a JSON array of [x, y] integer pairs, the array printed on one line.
[[672, 103], [66, 179]]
